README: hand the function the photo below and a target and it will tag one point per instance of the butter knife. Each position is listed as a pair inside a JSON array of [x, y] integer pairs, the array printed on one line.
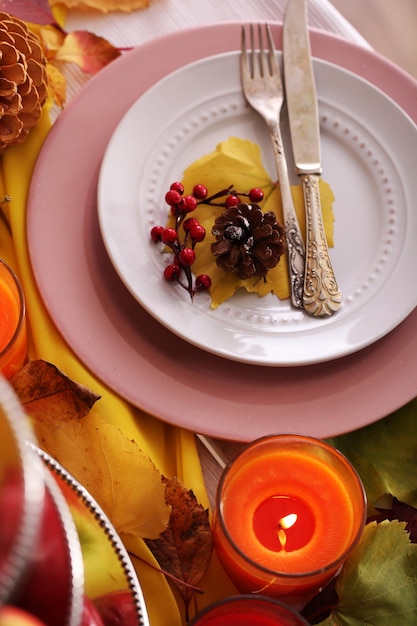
[[321, 295]]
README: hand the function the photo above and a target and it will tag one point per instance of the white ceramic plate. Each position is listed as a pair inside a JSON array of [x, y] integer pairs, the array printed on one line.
[[367, 144]]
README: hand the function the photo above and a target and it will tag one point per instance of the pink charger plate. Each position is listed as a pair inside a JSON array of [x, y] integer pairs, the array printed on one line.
[[124, 346]]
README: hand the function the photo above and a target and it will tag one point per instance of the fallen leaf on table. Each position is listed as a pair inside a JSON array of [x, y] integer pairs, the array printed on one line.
[[184, 549], [90, 52], [57, 85], [378, 583], [390, 508], [105, 6], [45, 393], [36, 11], [112, 467], [87, 50], [238, 162]]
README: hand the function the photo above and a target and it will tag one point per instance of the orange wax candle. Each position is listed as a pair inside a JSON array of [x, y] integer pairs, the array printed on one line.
[[248, 610], [13, 336], [289, 511]]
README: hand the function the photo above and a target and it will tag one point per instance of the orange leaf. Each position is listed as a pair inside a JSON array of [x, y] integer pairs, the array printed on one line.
[[184, 549], [87, 50], [45, 392]]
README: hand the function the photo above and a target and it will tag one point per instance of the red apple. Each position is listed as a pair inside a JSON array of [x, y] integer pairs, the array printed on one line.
[[13, 616], [46, 589], [11, 510], [117, 609], [91, 616]]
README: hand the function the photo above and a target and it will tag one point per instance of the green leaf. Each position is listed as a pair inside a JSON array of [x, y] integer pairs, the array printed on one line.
[[378, 584], [385, 455]]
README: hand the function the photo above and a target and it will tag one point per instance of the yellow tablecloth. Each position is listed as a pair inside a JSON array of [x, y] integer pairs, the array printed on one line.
[[173, 450]]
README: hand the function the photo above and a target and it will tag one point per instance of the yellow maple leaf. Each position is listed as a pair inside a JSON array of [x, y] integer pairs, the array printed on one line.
[[112, 467], [117, 473], [238, 162], [105, 6]]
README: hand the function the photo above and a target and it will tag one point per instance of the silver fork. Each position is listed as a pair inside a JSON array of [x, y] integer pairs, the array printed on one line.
[[263, 90]]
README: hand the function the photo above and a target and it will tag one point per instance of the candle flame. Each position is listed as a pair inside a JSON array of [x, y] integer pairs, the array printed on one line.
[[288, 521], [282, 538], [284, 524]]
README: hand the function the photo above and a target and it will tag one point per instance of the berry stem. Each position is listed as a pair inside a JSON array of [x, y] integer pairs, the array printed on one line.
[[219, 194]]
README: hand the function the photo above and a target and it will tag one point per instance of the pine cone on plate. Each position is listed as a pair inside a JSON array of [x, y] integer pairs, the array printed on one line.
[[248, 241], [23, 80]]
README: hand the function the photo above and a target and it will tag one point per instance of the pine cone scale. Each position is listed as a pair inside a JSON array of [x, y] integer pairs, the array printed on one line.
[[8, 53]]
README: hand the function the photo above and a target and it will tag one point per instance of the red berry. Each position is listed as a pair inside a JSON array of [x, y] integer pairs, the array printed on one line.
[[156, 233], [231, 200], [200, 191], [189, 223], [203, 281], [172, 197], [187, 256], [256, 194], [172, 272], [177, 186], [197, 232], [188, 204], [168, 235]]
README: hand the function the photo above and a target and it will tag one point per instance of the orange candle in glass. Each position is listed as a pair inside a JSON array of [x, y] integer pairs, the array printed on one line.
[[13, 336], [289, 511], [248, 610]]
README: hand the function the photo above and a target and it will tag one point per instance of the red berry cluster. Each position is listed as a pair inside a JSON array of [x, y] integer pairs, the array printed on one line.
[[183, 247]]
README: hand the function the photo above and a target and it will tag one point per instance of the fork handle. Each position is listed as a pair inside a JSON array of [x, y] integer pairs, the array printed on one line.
[[295, 243], [321, 296]]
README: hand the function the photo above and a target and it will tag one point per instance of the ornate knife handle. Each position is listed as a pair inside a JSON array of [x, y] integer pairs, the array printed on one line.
[[295, 243], [321, 296]]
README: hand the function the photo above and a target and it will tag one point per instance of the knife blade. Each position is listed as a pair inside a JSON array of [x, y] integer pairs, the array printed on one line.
[[321, 294]]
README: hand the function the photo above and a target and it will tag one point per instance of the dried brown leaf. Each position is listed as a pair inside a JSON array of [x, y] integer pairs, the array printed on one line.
[[184, 549], [46, 392]]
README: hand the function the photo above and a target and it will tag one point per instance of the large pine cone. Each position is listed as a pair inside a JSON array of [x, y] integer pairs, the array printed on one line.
[[23, 80], [248, 241]]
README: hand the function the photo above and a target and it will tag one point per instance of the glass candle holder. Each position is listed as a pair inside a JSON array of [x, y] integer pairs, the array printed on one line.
[[289, 511], [13, 336], [22, 493], [248, 610]]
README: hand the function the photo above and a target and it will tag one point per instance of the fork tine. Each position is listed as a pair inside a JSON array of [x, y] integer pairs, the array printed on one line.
[[252, 54], [243, 50], [263, 63], [272, 56]]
